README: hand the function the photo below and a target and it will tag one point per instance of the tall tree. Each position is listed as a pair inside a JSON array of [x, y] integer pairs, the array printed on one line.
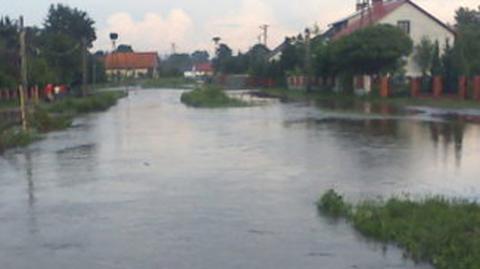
[[70, 22], [200, 56], [373, 50], [468, 39], [424, 55]]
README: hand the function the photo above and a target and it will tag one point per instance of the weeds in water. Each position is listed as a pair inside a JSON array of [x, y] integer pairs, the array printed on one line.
[[444, 232], [44, 122], [333, 205], [210, 97], [14, 137], [94, 103]]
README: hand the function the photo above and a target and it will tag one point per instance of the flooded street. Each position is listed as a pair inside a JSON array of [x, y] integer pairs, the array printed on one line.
[[153, 184]]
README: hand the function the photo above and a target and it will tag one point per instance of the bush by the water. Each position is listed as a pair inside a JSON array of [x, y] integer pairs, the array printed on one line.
[[43, 121], [210, 97], [445, 233]]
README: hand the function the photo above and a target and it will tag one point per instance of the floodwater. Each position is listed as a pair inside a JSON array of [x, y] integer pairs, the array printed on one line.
[[152, 184]]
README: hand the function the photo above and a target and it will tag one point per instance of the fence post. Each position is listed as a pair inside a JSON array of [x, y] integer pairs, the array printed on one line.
[[437, 86], [476, 88], [384, 87], [462, 87]]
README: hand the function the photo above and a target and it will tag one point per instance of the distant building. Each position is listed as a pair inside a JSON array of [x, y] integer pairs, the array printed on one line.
[[405, 14], [123, 65], [200, 70]]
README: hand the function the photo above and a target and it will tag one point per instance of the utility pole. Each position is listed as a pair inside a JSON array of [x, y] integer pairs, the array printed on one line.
[[174, 48], [264, 28], [84, 67], [24, 70], [308, 60]]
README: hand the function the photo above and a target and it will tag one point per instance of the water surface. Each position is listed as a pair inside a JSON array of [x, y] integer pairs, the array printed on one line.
[[153, 184]]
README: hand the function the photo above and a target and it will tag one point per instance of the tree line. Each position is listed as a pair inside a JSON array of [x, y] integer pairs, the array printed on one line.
[[375, 50], [54, 50]]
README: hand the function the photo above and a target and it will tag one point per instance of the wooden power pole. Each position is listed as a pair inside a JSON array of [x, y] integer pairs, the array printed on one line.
[[84, 66], [24, 85]]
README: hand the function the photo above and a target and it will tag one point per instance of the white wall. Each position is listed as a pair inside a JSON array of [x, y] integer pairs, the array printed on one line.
[[421, 26]]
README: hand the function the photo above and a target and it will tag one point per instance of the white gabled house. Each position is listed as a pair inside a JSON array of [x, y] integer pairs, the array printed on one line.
[[410, 17]]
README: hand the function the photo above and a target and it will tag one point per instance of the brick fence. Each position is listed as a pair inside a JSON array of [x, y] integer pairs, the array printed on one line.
[[438, 87]]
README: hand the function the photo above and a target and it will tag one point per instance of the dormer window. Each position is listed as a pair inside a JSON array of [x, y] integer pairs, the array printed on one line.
[[404, 25]]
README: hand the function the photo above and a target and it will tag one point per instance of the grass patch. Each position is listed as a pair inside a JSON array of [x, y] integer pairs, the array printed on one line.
[[15, 137], [43, 121], [167, 82], [445, 233], [93, 103], [210, 97]]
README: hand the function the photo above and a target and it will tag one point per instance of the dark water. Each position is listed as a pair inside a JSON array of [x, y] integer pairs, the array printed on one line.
[[152, 184]]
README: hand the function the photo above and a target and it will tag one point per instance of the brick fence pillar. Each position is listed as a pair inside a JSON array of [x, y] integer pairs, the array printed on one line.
[[476, 88], [462, 87], [384, 86], [437, 86], [415, 85]]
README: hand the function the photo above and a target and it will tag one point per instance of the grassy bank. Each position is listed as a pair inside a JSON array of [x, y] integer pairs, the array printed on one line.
[[286, 95], [167, 83], [445, 233], [55, 116], [93, 103], [210, 97]]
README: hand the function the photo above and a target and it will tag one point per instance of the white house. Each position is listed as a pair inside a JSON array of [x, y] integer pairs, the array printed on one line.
[[407, 15]]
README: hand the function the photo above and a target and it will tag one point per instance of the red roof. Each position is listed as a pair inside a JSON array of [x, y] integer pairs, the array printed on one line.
[[377, 12], [371, 16], [203, 67], [131, 60]]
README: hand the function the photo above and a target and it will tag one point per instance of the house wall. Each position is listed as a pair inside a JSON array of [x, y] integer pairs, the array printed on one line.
[[128, 73], [421, 26]]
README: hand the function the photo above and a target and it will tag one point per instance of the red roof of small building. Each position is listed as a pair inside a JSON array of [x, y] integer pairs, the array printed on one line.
[[131, 60], [203, 67], [377, 12]]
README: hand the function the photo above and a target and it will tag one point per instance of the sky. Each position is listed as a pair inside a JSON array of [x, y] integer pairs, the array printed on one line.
[[153, 25]]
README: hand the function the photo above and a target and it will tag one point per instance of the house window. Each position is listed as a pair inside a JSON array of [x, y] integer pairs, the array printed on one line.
[[404, 25]]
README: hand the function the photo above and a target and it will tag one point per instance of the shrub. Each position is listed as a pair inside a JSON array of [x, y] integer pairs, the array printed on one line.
[[210, 97]]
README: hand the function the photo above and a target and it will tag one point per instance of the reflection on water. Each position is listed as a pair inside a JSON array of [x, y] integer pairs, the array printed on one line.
[[153, 184]]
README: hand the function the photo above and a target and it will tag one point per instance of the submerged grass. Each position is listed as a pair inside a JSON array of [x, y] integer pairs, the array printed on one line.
[[445, 233], [210, 97], [15, 137]]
